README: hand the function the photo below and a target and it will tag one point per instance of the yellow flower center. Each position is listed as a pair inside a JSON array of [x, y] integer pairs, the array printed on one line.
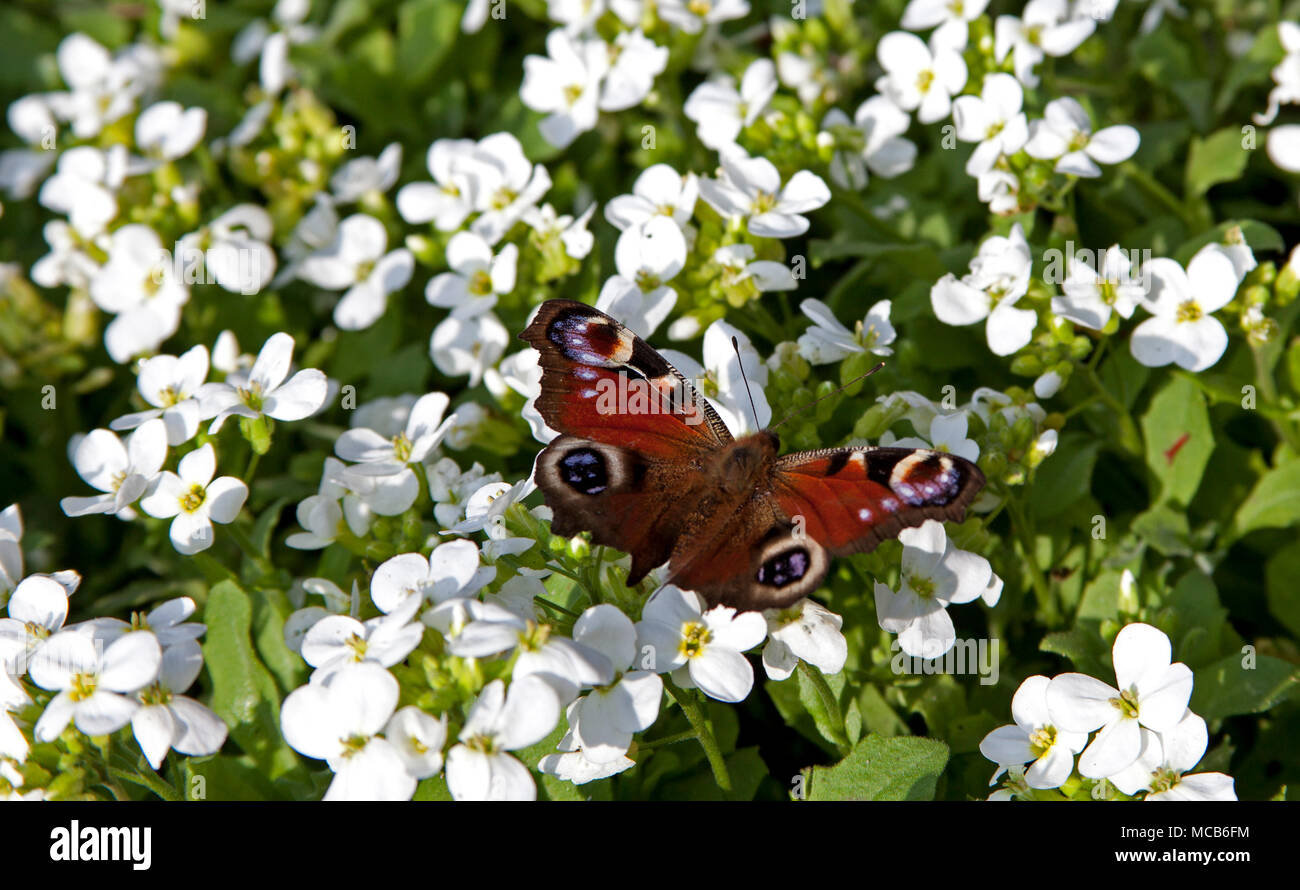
[[193, 499], [924, 80], [83, 686], [1041, 740], [695, 637], [921, 586], [1190, 311], [1126, 703]]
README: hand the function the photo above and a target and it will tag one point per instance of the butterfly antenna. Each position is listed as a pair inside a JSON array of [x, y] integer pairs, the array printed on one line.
[[735, 344], [828, 395]]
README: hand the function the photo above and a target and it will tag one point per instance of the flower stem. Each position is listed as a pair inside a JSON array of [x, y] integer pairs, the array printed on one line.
[[693, 708], [1036, 576]]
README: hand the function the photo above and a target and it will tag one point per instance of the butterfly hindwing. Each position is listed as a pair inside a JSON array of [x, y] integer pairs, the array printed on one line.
[[602, 382], [625, 499]]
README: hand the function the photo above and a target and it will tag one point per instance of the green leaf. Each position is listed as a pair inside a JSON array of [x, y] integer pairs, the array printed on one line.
[[426, 30], [1166, 530], [1232, 686], [1178, 438], [901, 768], [1274, 502], [1063, 481], [1281, 573], [1195, 620], [1217, 158], [1261, 237], [244, 693]]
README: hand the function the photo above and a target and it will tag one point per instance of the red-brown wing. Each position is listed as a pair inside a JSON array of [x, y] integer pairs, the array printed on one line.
[[602, 382], [625, 499], [851, 499]]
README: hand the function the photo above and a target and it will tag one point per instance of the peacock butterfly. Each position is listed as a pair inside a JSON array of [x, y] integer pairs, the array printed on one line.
[[647, 466]]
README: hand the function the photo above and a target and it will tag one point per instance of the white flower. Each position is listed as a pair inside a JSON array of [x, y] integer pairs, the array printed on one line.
[[424, 429], [659, 189], [806, 631], [1045, 27], [829, 341], [324, 513], [573, 233], [166, 719], [265, 391], [947, 432], [480, 767], [602, 723], [477, 277], [358, 260], [68, 262], [751, 188], [258, 39], [920, 78], [357, 179], [1000, 190], [461, 346], [1286, 74], [994, 119], [703, 649], [934, 575], [621, 299], [170, 384], [22, 169], [234, 248], [565, 85], [1152, 693], [1182, 329], [884, 151], [720, 111], [637, 61], [1065, 133], [954, 14], [37, 609], [103, 88], [122, 472], [739, 266], [195, 499], [1283, 147], [340, 640], [11, 550], [139, 284], [452, 570], [510, 186], [692, 15], [1034, 737], [338, 720], [999, 277], [452, 196], [1091, 294], [418, 739], [720, 379], [648, 256], [1166, 757], [82, 188], [93, 688], [166, 131]]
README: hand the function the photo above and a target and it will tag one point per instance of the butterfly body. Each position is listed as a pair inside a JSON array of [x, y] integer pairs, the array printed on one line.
[[645, 464]]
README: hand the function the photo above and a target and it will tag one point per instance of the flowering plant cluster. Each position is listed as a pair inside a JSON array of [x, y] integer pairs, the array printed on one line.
[[272, 526]]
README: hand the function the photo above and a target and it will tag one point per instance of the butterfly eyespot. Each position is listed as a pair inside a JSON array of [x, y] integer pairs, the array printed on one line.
[[926, 477], [584, 471], [785, 568]]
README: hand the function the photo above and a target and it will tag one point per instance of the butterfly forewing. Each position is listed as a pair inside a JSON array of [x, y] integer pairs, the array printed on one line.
[[600, 381]]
